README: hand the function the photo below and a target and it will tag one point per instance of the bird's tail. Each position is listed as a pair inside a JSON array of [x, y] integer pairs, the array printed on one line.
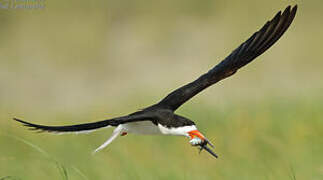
[[79, 128]]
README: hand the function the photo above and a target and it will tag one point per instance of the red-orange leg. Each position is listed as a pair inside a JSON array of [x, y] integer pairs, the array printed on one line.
[[124, 133]]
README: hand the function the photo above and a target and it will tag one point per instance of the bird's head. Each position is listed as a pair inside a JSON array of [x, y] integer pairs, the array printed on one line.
[[187, 127], [198, 139]]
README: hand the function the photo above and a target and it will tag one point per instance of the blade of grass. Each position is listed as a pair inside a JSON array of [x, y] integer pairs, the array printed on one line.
[[78, 171], [61, 168], [9, 178]]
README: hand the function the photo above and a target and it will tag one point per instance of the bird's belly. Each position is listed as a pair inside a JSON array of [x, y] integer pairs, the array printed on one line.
[[142, 127]]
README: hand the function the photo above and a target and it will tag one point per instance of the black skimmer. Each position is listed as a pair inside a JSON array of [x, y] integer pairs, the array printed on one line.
[[160, 118]]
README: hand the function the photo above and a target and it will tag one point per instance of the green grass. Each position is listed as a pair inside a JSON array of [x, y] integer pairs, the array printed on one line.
[[274, 139]]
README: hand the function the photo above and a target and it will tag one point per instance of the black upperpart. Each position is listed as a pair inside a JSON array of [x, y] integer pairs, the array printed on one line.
[[170, 119]]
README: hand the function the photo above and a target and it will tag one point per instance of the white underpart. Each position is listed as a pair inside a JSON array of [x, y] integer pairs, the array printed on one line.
[[147, 127], [114, 135], [141, 127], [178, 131], [77, 132]]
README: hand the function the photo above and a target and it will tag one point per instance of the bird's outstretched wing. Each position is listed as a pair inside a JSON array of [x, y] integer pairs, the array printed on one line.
[[258, 43], [87, 127]]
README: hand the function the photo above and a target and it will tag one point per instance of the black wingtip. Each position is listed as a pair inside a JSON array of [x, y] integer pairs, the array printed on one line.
[[294, 10], [291, 9], [295, 7], [19, 120], [278, 14], [32, 127]]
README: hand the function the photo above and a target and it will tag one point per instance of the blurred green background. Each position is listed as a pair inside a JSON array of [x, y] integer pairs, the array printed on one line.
[[82, 61]]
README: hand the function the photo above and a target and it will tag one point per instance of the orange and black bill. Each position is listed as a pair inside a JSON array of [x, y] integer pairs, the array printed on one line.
[[204, 146]]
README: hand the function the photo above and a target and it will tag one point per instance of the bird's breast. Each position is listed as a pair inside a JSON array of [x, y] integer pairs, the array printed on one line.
[[178, 131], [147, 127]]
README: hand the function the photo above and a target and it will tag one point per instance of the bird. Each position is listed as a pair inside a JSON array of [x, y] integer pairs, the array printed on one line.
[[160, 118]]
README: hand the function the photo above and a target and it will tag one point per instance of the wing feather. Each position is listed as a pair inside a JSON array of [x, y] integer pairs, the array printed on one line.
[[258, 43], [86, 127]]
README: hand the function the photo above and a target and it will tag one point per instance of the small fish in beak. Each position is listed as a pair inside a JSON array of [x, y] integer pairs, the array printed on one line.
[[197, 139]]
